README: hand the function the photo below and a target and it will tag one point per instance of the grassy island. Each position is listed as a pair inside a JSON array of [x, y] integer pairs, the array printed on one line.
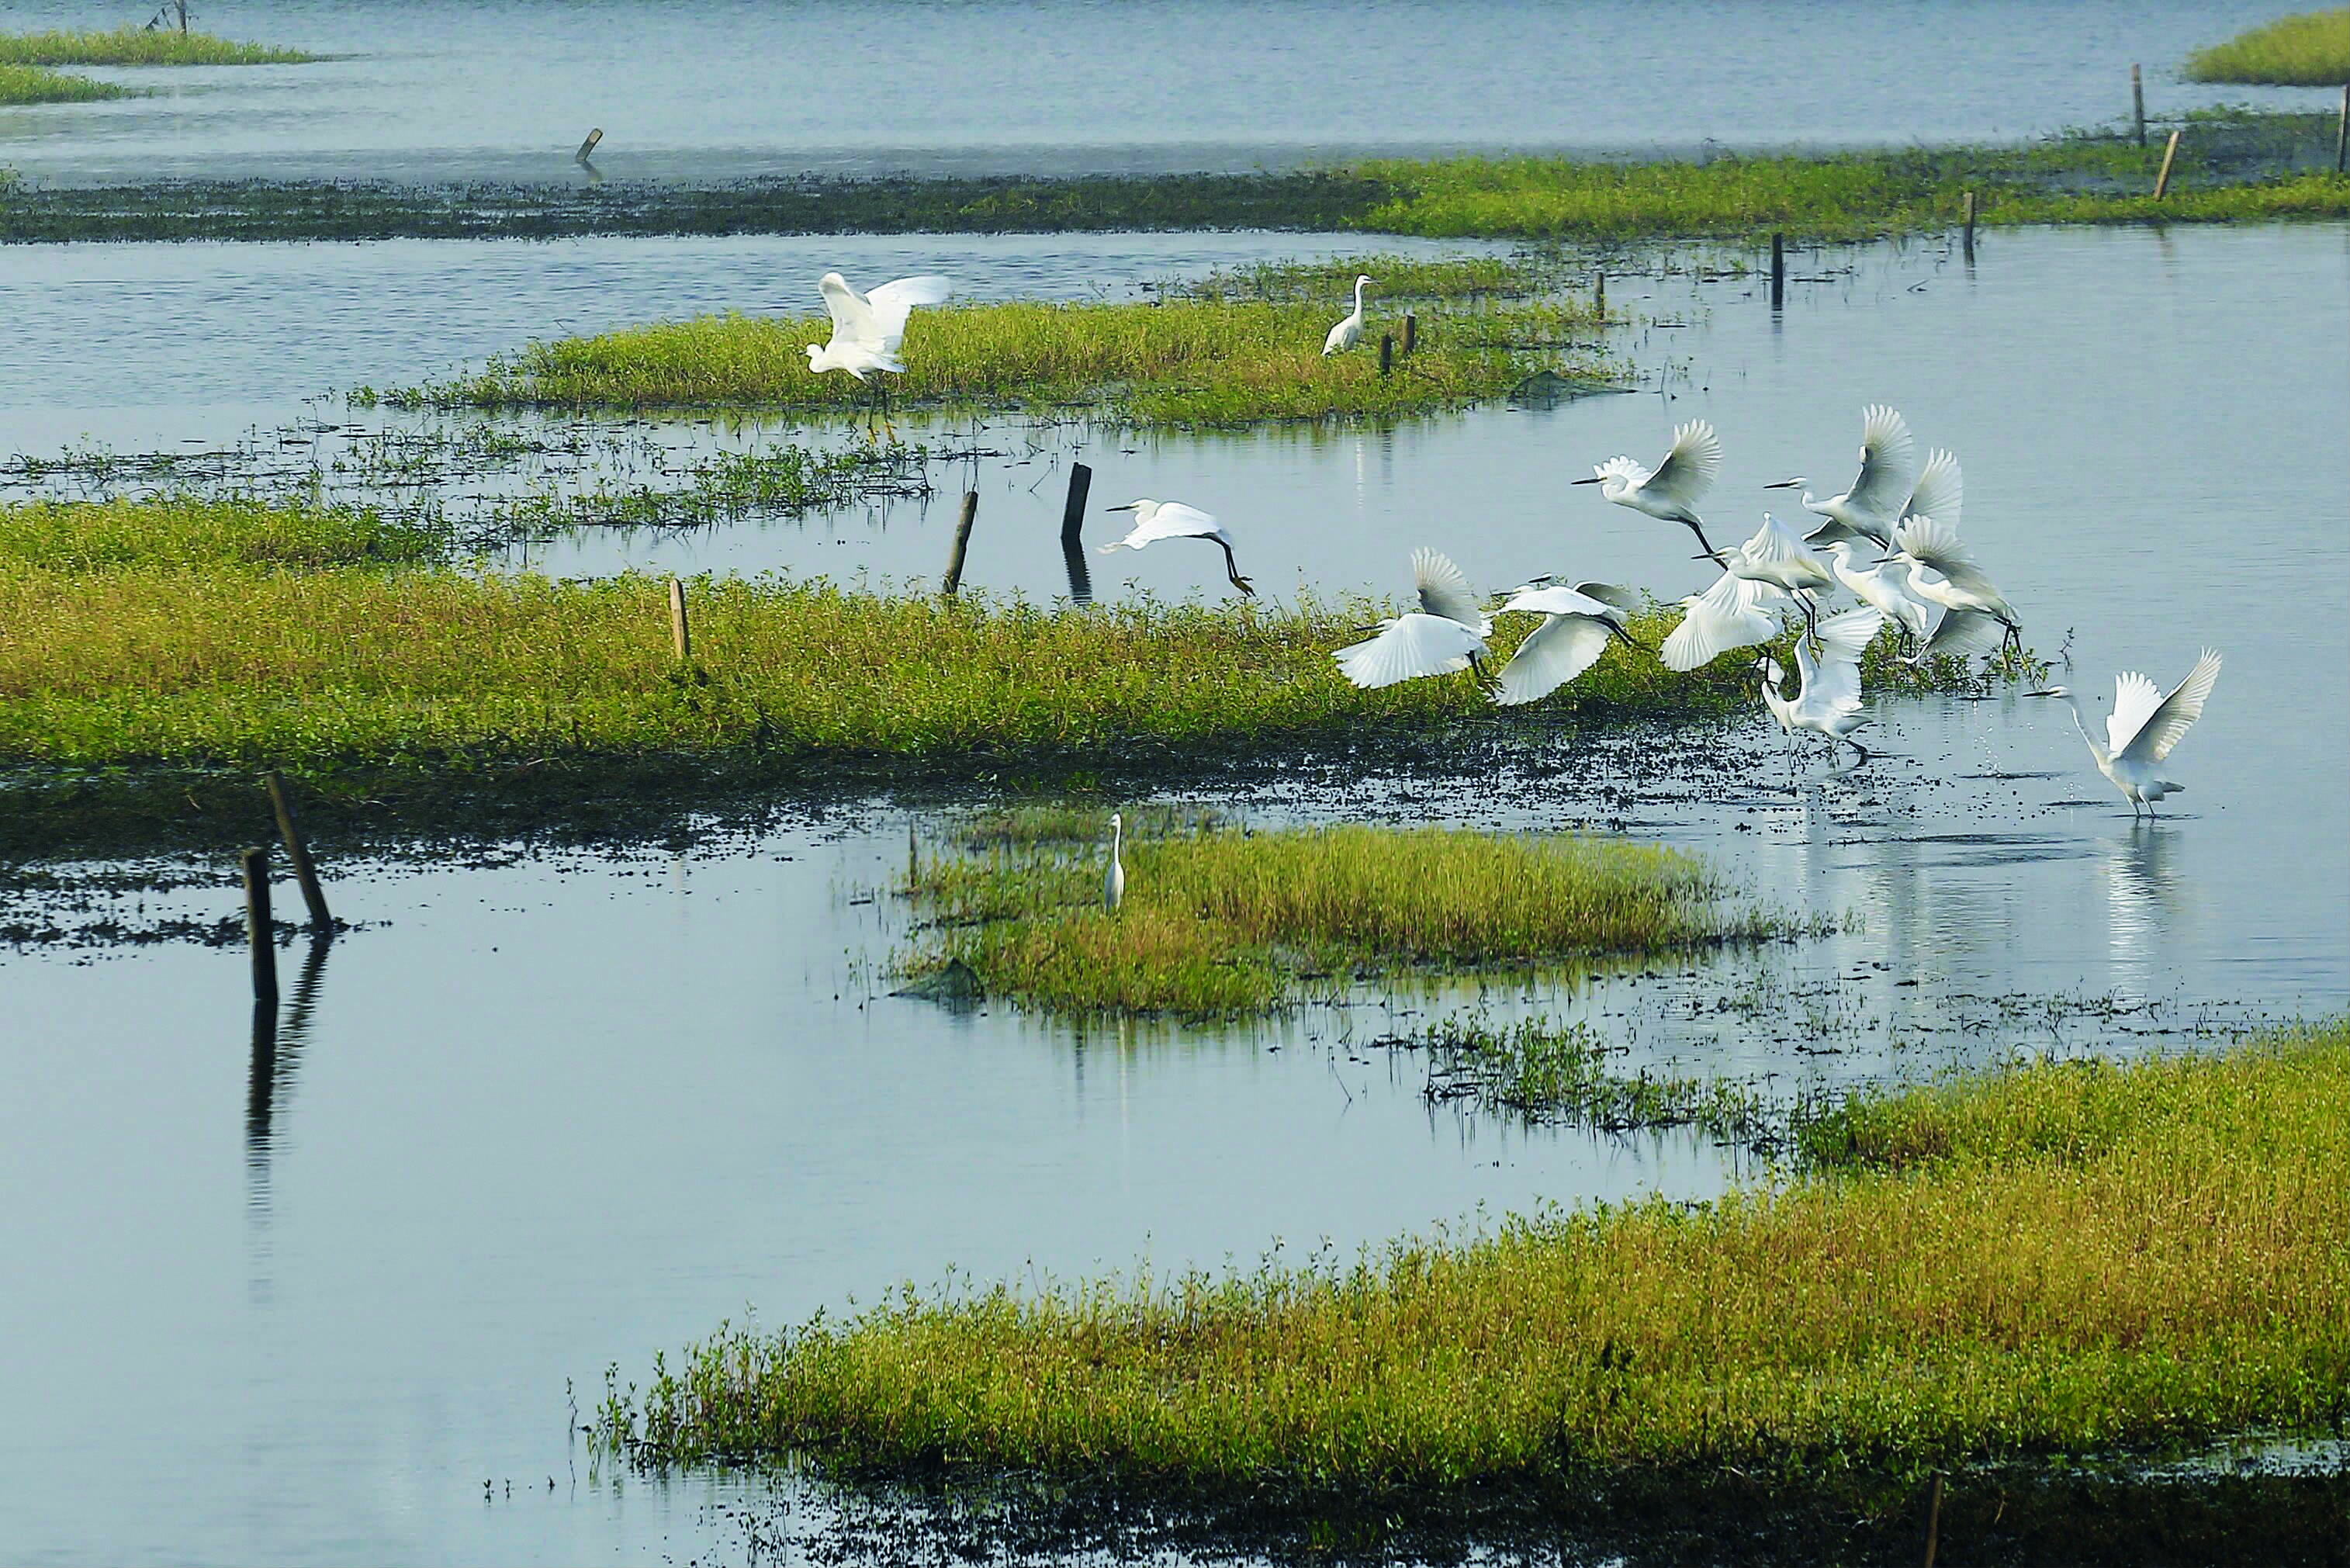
[[35, 84], [129, 46], [2312, 49]]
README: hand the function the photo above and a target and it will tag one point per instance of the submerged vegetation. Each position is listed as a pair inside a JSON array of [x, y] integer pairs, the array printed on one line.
[[1186, 361], [1545, 1072], [1222, 921], [34, 84], [129, 46], [2312, 49], [2057, 1259]]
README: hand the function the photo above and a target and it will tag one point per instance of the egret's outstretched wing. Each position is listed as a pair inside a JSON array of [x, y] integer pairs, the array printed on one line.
[[1934, 543], [892, 302], [2154, 728], [1845, 638], [852, 313], [1616, 594], [1444, 589], [1726, 616], [1888, 464], [1174, 520], [1940, 491], [1409, 646], [1558, 600], [1689, 467], [1833, 685], [1553, 654], [1961, 633], [1776, 544]]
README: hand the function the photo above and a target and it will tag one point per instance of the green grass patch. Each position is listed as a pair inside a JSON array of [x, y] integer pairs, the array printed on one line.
[[191, 532], [2179, 1275], [1545, 1072], [33, 84], [129, 46], [2312, 49], [1219, 921], [1182, 362]]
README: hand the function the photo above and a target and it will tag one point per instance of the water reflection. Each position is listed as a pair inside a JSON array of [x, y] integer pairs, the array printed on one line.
[[2144, 899], [269, 1084]]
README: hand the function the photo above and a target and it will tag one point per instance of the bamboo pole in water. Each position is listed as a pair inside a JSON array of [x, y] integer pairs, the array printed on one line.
[[2138, 104], [1778, 270], [1967, 227], [298, 851], [961, 541], [2162, 181], [589, 146], [260, 933], [680, 633], [2341, 130]]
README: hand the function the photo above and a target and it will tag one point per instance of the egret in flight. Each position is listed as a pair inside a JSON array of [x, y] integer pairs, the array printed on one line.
[[1157, 520], [1873, 504], [1577, 623], [867, 328], [1885, 586], [1828, 700], [1673, 488], [1445, 635], [1114, 877], [2143, 727], [1730, 614], [1344, 336], [1941, 571]]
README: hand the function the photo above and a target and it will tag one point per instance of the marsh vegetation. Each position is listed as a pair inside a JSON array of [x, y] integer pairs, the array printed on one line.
[[129, 46], [2312, 49]]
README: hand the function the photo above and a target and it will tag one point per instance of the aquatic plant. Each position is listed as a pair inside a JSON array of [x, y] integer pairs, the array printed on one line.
[[2122, 1259], [129, 46], [1548, 1072], [2312, 49], [32, 84]]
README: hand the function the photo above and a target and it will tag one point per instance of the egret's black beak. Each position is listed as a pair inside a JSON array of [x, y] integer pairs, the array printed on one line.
[[1129, 506], [1786, 484], [1593, 479], [2040, 694]]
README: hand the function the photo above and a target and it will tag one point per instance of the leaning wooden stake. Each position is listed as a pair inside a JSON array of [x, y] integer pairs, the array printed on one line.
[[961, 541], [679, 632], [260, 934], [2137, 105], [2341, 131], [1778, 271], [1967, 227], [589, 146], [1410, 332], [1934, 1523], [2162, 181], [1073, 510], [298, 851]]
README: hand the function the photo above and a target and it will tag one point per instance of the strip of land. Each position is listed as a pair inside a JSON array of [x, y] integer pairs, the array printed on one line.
[[132, 46], [2312, 49]]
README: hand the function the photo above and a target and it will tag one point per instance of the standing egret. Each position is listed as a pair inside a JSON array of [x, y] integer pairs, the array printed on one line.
[[1672, 490], [1344, 335], [867, 328], [1114, 878], [1942, 570], [1157, 520], [1873, 504], [2143, 727], [1828, 700], [1445, 635], [1726, 616], [1577, 623]]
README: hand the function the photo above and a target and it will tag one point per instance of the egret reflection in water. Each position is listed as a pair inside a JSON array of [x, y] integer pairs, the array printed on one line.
[[2146, 898]]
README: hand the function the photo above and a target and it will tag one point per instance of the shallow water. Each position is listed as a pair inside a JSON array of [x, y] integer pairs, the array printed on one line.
[[553, 1113], [716, 89]]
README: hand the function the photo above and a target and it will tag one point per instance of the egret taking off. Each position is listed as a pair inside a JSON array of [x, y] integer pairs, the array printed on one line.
[[1157, 520], [1941, 571], [1730, 614], [1344, 335], [1828, 702], [1577, 623], [1888, 471], [1114, 878], [2143, 727], [1885, 586], [867, 329], [1445, 635], [1674, 487]]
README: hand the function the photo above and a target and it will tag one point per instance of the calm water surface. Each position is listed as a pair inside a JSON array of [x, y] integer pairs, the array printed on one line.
[[715, 89], [556, 1110]]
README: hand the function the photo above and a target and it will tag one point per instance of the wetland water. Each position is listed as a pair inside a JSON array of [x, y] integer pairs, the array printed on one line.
[[719, 89], [553, 1110]]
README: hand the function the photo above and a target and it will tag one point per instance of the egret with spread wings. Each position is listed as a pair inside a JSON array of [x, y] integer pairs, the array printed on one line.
[[1157, 520], [2143, 727], [1672, 489]]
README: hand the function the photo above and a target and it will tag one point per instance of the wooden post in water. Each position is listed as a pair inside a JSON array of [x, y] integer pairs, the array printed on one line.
[[2137, 105], [1967, 227], [1934, 1523], [2162, 181], [2341, 130], [298, 851], [1386, 352], [589, 146], [679, 632], [1073, 510], [961, 541], [1778, 270], [1599, 296], [1410, 332], [260, 934]]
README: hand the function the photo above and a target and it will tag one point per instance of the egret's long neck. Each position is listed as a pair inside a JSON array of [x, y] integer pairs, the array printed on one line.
[[1358, 297], [2095, 749]]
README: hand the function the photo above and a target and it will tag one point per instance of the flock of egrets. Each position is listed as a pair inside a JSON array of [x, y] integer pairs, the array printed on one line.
[[1921, 579]]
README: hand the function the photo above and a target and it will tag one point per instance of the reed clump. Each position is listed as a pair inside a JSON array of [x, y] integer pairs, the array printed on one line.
[[1181, 362], [1222, 921], [129, 46], [36, 83], [2181, 1276], [2312, 49]]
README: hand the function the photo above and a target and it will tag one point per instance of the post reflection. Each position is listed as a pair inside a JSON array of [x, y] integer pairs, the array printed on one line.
[[276, 1052], [1081, 580]]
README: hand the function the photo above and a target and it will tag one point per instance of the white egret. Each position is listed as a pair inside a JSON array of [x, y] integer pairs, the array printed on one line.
[[867, 328], [1114, 878], [1940, 491], [1344, 335], [1828, 700], [1941, 571], [1157, 520], [2143, 727], [1888, 470], [1958, 634], [1726, 616], [1778, 555], [1445, 635], [1674, 487], [1885, 586], [1577, 623]]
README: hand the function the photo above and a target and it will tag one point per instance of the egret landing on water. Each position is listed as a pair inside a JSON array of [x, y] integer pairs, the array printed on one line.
[[867, 328], [2143, 727], [1114, 878], [1447, 634], [1828, 702], [1157, 520], [1349, 332], [1673, 488]]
